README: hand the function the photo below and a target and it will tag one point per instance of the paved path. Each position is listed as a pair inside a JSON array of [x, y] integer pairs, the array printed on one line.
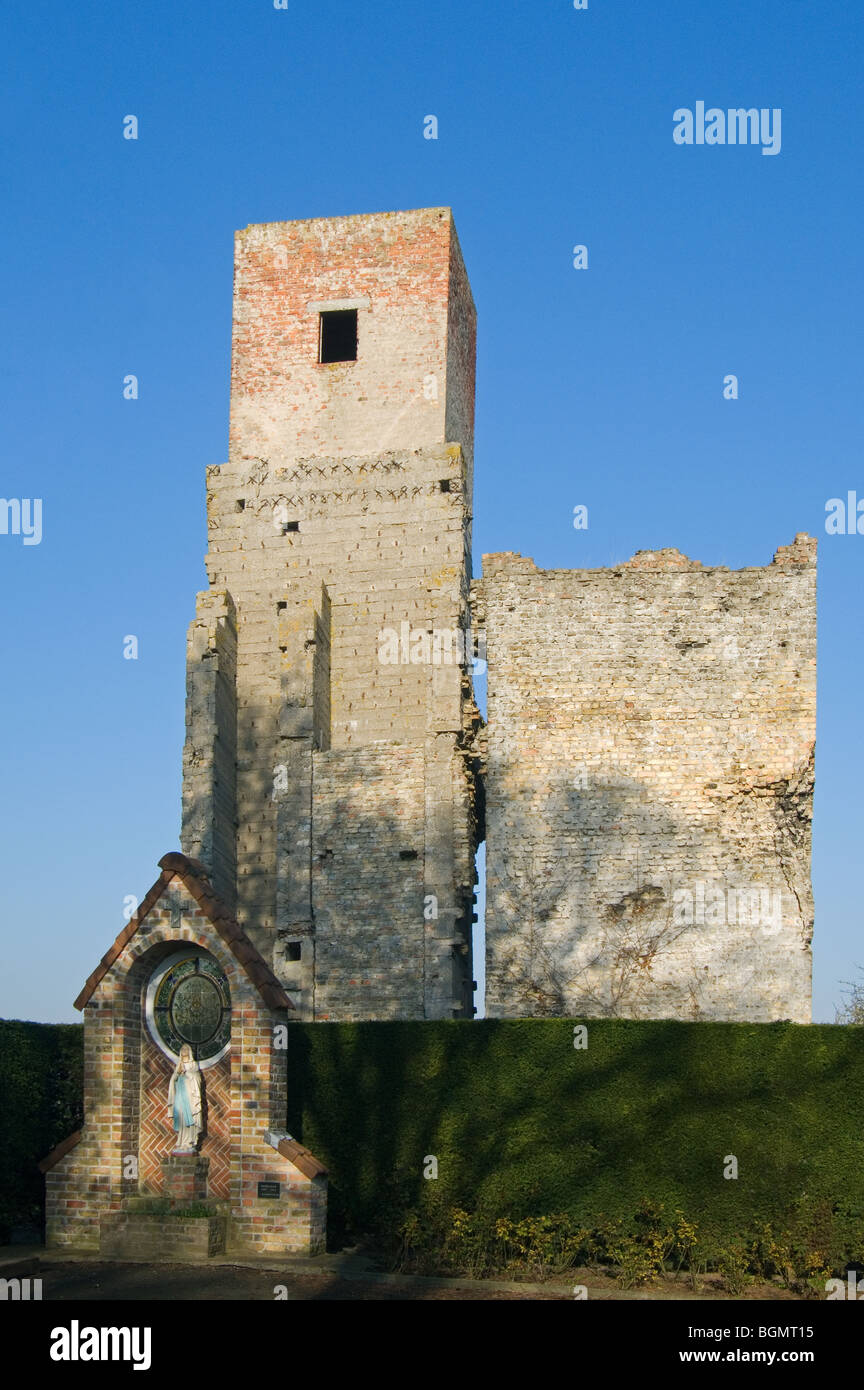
[[347, 1277], [83, 1280]]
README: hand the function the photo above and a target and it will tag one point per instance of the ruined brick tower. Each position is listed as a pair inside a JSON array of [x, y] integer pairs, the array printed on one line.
[[648, 762], [329, 785]]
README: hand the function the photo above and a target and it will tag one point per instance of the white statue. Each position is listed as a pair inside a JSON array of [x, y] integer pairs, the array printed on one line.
[[184, 1094]]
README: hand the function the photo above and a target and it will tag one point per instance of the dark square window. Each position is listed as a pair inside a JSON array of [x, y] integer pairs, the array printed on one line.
[[292, 950], [338, 336]]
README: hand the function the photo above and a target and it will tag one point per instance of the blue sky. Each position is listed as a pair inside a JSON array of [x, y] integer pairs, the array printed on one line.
[[602, 386]]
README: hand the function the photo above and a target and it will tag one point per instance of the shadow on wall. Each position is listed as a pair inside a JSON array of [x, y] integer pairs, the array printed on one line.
[[388, 935], [582, 915]]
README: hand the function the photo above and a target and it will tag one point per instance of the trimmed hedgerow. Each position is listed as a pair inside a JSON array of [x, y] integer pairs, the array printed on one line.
[[521, 1123], [40, 1104]]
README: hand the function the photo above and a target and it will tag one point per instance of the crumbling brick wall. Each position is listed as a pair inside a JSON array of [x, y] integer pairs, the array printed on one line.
[[649, 787]]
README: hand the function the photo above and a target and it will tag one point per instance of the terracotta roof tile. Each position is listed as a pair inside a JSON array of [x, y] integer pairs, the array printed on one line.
[[301, 1158], [194, 878], [61, 1150]]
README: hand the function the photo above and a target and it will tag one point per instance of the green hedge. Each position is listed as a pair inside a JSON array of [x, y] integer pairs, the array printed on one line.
[[524, 1124], [40, 1104], [521, 1123]]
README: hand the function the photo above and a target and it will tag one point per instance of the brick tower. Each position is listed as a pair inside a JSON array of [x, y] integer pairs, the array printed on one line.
[[330, 783]]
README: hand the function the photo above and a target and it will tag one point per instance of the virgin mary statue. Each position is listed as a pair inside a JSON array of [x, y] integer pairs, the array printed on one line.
[[184, 1094]]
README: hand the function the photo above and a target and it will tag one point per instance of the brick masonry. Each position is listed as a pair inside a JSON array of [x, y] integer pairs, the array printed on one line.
[[650, 787], [93, 1187], [331, 794], [651, 725], [130, 1236]]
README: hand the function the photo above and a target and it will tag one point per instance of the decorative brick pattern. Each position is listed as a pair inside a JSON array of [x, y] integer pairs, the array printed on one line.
[[157, 1135]]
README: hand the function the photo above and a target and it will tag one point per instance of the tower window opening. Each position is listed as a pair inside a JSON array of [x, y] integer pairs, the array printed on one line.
[[337, 337]]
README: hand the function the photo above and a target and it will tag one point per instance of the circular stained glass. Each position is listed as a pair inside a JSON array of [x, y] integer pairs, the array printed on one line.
[[196, 1009], [191, 1004]]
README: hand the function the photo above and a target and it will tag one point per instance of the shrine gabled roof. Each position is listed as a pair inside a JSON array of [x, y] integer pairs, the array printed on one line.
[[194, 878]]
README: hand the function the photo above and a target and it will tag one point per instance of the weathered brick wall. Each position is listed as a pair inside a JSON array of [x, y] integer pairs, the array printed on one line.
[[649, 791], [210, 750], [310, 676], [135, 1236], [389, 546], [344, 512], [368, 864], [295, 1222], [461, 355], [396, 268]]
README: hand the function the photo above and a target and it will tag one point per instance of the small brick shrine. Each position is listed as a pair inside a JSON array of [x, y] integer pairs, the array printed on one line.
[[117, 1186]]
